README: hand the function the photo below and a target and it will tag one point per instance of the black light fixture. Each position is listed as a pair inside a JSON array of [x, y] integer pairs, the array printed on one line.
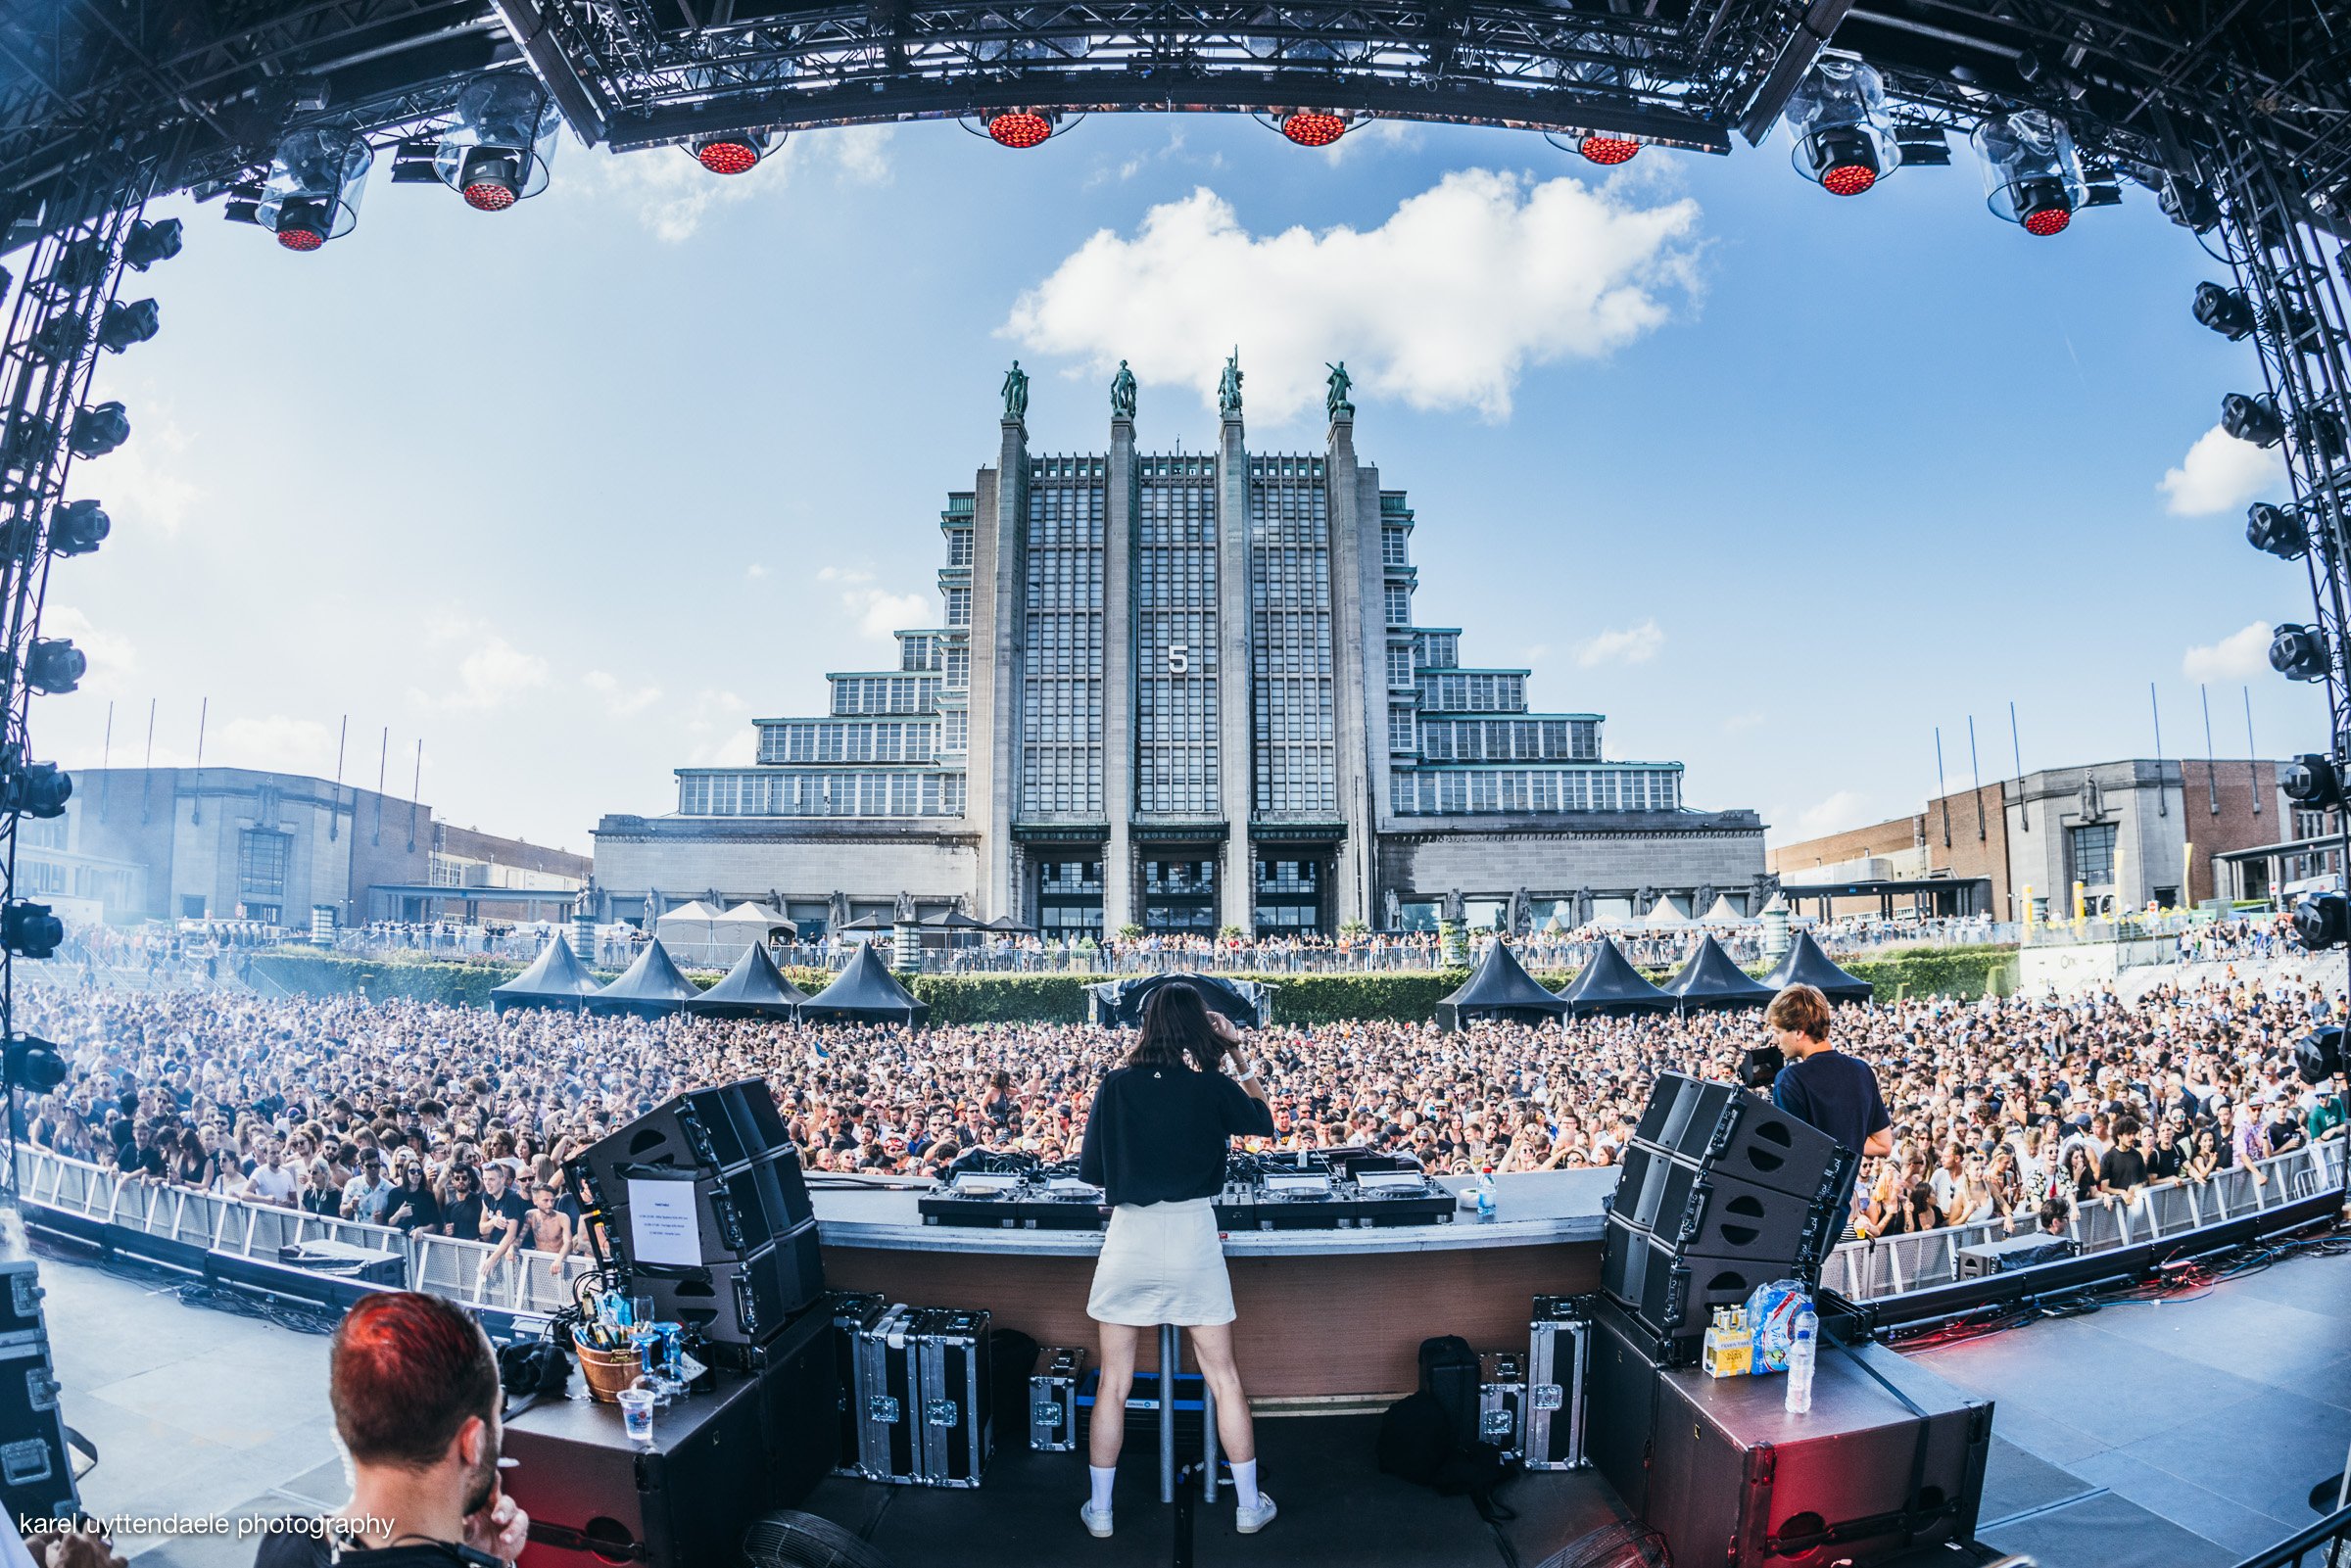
[[28, 930], [2323, 921], [99, 430], [79, 528], [2274, 531], [2297, 653], [126, 324], [79, 265], [54, 666], [2252, 417], [2225, 310], [31, 1062], [2319, 1058], [61, 338], [2310, 780], [29, 442], [149, 243], [36, 789], [2189, 203]]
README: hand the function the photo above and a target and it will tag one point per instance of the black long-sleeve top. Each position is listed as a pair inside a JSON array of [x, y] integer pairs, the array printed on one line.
[[1157, 1134]]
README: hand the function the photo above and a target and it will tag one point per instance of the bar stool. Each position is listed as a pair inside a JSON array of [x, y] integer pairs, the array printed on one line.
[[1171, 1340]]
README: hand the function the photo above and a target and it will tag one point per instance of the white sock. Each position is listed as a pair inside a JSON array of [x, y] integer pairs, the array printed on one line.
[[1102, 1476], [1244, 1483]]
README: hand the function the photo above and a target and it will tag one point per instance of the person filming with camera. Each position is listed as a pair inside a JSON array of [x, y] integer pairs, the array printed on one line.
[[1155, 1142]]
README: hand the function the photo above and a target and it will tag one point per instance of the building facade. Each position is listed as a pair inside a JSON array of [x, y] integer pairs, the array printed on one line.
[[2131, 833], [1182, 691], [234, 843]]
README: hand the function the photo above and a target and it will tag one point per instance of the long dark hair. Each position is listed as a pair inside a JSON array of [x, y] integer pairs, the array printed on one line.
[[1176, 1026]]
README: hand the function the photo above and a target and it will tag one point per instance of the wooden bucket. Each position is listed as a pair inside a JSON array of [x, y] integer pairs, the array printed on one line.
[[608, 1371]]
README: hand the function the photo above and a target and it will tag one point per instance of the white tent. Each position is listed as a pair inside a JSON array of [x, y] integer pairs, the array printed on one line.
[[1665, 916], [749, 916], [689, 927], [1721, 914]]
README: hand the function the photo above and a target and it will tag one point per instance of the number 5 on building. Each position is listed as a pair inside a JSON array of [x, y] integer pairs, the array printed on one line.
[[1179, 658]]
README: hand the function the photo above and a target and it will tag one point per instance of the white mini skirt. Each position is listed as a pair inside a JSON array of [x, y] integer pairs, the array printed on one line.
[[1162, 1264]]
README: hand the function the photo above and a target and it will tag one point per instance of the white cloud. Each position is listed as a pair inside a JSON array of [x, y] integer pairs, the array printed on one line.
[[621, 701], [670, 194], [1632, 644], [862, 151], [879, 614], [2219, 474], [1445, 305], [725, 738], [754, 571], [275, 745], [842, 574], [2237, 656], [494, 674], [1846, 808], [1740, 723], [1378, 136], [144, 485], [111, 655]]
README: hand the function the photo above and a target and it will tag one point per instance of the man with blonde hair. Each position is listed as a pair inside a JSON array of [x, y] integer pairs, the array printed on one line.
[[1821, 1086]]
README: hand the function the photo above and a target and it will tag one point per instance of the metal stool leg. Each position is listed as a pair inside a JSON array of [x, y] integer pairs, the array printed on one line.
[[1208, 1440], [1166, 1413]]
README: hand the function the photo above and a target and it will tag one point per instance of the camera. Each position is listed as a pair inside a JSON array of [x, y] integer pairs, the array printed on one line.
[[1761, 1065]]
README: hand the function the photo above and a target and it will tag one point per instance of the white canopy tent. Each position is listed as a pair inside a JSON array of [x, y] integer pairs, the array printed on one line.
[[689, 927], [1722, 913], [1665, 918]]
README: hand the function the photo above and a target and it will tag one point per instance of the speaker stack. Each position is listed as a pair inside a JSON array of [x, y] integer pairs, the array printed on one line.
[[702, 1203], [1720, 1192]]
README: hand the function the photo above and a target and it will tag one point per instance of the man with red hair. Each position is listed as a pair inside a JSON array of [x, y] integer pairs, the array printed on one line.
[[414, 1389]]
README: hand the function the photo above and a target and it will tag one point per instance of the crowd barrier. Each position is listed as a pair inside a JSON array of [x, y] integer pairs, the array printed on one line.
[[1890, 1265], [189, 1220]]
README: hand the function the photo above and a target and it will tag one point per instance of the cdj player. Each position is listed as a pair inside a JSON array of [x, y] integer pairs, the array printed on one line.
[[1312, 1190]]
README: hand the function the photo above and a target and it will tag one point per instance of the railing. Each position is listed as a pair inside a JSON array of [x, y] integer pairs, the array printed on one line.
[[2332, 1534], [1888, 1265], [443, 1265]]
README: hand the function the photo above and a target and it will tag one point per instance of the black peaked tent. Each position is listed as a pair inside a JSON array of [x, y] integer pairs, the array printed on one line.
[[1807, 965], [754, 988], [648, 987], [865, 992], [1610, 984], [556, 978], [1500, 989], [1711, 980], [1119, 1004]]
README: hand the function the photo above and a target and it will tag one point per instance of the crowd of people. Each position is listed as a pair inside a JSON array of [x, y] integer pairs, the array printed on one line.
[[457, 1121]]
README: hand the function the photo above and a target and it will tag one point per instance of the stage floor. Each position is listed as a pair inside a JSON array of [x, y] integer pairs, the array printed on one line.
[[2142, 1437]]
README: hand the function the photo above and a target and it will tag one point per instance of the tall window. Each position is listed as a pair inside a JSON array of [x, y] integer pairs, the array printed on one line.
[[1391, 547], [1399, 605], [1291, 687], [1061, 667], [2092, 847], [261, 857]]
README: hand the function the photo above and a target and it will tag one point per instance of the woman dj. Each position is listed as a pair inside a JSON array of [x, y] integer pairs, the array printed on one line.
[[1155, 1143]]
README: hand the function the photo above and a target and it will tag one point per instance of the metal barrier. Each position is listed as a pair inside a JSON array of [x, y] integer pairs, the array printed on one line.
[[442, 1265], [1888, 1266]]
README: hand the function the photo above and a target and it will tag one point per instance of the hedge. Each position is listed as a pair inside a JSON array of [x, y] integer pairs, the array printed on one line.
[[1965, 972]]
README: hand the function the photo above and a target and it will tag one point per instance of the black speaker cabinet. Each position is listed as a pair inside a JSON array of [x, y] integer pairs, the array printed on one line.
[[799, 1388], [1672, 1293], [1735, 1481], [740, 1301], [680, 1502], [1692, 1208], [1741, 1135], [1620, 1401], [709, 1131], [736, 1213]]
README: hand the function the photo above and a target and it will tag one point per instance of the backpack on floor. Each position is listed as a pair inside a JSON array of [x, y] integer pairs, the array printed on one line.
[[1430, 1437]]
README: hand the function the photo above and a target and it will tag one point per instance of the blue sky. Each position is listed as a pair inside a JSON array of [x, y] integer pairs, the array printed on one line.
[[1778, 482]]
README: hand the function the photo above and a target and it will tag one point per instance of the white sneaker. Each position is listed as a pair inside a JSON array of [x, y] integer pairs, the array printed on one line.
[[1249, 1521], [1097, 1524]]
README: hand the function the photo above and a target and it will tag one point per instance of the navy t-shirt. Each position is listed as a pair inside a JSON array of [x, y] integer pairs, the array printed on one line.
[[1835, 1093]]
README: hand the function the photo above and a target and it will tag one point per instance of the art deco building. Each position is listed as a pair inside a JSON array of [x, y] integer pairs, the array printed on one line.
[[1186, 691]]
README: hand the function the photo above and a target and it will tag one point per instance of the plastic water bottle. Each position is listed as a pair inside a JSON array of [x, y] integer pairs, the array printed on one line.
[[1802, 1337], [1485, 1193]]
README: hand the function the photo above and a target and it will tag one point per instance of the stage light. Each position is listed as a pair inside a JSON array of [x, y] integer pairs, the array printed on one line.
[[99, 430], [54, 666], [126, 324], [2298, 653], [1607, 151], [2225, 310], [31, 1062], [2323, 921], [29, 442], [1845, 140], [79, 528], [29, 930], [2310, 780], [61, 338], [1315, 128], [79, 265], [1021, 128], [2032, 174], [149, 243], [2274, 531], [498, 152], [38, 790], [734, 154], [2188, 204], [312, 193], [2319, 1058], [2251, 417]]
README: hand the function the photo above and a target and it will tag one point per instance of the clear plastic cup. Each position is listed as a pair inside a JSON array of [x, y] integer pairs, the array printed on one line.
[[637, 1413]]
